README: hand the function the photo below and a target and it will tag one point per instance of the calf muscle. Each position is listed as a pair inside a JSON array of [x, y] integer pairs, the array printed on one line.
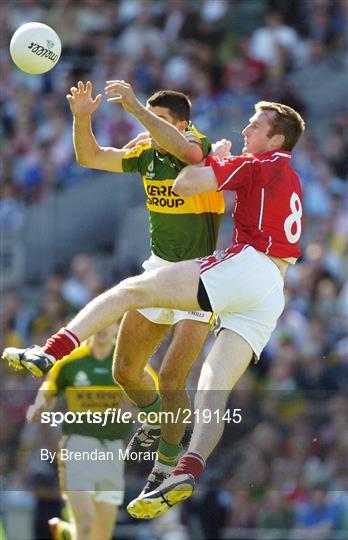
[[188, 339], [137, 341]]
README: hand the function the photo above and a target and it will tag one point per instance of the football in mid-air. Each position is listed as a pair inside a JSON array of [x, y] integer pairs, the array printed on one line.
[[35, 48]]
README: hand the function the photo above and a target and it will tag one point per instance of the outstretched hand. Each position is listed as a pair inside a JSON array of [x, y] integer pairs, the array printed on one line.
[[81, 101], [124, 95]]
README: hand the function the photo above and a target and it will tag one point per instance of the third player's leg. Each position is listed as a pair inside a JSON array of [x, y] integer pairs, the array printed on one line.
[[105, 520], [82, 509], [186, 344], [137, 341]]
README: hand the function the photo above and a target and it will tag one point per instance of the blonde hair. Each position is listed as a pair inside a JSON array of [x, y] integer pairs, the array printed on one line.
[[286, 121]]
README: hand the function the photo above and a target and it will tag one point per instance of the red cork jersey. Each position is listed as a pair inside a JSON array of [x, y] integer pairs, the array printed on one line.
[[268, 206]]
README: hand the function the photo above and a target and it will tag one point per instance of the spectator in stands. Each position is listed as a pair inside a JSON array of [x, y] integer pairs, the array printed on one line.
[[52, 314], [318, 517], [275, 42], [83, 284], [15, 315], [276, 513], [141, 36], [11, 209]]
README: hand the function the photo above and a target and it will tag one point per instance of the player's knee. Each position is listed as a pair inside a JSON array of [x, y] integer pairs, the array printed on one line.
[[123, 370], [169, 380], [137, 290], [84, 525]]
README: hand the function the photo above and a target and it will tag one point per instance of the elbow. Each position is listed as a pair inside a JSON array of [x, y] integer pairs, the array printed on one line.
[[82, 162], [85, 160], [191, 159], [81, 159], [192, 155]]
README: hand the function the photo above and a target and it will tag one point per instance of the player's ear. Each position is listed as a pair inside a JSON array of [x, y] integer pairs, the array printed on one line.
[[278, 140], [182, 125]]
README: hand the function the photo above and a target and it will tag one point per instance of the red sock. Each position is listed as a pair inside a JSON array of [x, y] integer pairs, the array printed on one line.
[[190, 463], [61, 344]]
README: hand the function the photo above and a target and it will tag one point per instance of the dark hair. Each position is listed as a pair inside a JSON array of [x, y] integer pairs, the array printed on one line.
[[286, 121], [178, 103]]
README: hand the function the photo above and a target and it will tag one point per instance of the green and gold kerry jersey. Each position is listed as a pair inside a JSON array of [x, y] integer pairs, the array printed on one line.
[[88, 385], [181, 228]]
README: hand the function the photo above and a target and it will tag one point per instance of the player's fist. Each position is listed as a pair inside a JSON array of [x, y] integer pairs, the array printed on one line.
[[221, 148], [123, 95], [81, 100]]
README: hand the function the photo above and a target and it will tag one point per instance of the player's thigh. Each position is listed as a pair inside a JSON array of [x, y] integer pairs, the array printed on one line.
[[137, 341], [105, 519], [226, 362], [82, 508], [186, 344], [175, 287]]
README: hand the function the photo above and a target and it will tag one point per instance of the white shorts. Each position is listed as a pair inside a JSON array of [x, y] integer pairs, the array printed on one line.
[[169, 316], [102, 478], [245, 289]]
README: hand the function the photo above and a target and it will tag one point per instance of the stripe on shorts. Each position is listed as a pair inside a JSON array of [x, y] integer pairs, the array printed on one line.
[[61, 464], [208, 264]]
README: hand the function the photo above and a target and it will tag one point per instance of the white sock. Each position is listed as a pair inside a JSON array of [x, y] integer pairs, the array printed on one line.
[[161, 467], [146, 426]]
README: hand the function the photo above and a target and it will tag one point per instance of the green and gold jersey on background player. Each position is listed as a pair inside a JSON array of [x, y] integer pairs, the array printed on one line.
[[181, 228], [88, 385]]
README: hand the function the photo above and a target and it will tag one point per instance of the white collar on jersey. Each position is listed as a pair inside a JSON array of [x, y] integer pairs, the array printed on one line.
[[282, 154]]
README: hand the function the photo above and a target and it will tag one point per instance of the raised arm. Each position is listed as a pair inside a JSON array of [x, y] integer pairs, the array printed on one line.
[[44, 401], [87, 150], [166, 135]]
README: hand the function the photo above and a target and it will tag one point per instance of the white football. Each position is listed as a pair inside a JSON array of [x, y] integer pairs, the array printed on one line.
[[35, 48]]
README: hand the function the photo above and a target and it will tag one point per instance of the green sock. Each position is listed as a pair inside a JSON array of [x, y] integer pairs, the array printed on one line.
[[168, 454], [154, 408]]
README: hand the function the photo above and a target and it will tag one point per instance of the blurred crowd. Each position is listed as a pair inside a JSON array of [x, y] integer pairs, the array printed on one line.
[[284, 466], [225, 54]]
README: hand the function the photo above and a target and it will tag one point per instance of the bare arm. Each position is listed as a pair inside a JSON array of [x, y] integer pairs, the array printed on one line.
[[88, 152], [195, 179], [44, 401], [165, 134], [169, 137]]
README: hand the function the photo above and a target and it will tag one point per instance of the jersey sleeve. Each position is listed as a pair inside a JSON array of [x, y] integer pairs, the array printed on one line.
[[133, 159], [193, 135], [231, 173]]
